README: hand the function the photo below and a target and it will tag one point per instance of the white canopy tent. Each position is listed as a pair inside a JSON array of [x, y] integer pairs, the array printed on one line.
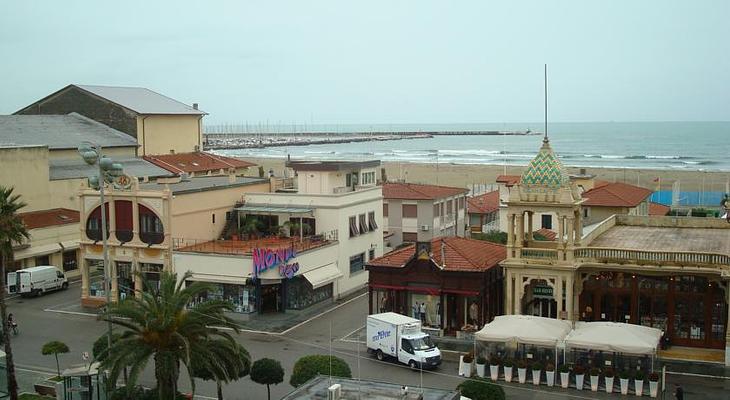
[[525, 329], [614, 337]]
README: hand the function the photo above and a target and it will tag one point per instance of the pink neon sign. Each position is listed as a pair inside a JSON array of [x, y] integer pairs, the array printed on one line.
[[265, 259]]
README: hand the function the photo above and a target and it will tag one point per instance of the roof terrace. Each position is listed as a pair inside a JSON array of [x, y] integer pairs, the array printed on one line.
[[246, 247]]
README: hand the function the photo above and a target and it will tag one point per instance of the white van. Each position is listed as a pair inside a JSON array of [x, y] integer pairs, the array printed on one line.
[[35, 281]]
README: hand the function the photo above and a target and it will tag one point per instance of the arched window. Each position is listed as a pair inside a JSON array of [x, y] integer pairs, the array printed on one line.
[[150, 226], [123, 220], [93, 224]]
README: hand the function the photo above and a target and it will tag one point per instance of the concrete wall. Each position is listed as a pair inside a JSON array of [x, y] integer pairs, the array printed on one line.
[[164, 134], [26, 170]]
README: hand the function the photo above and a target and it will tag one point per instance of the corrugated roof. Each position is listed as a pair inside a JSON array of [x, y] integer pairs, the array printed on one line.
[[141, 100], [615, 194], [484, 203], [59, 132], [46, 218], [414, 191], [196, 162], [461, 254], [77, 168]]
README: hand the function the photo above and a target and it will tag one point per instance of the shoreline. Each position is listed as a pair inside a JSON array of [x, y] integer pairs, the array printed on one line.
[[465, 175]]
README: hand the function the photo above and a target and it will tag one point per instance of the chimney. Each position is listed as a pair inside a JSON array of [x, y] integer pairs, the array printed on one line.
[[195, 106]]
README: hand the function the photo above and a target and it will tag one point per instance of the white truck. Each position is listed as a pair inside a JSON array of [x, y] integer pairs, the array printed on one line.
[[400, 337], [35, 281]]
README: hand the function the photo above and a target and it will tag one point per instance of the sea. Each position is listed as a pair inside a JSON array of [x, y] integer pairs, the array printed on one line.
[[700, 146]]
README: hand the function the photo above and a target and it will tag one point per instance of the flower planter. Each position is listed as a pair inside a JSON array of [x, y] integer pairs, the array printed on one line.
[[536, 375], [579, 381], [480, 370], [522, 375], [494, 372], [461, 365], [508, 374], [565, 379], [550, 377], [624, 385], [594, 382], [638, 387], [48, 388], [609, 384], [653, 388], [467, 370]]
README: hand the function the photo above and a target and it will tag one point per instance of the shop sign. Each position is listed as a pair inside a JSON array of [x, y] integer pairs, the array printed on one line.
[[266, 259], [542, 291]]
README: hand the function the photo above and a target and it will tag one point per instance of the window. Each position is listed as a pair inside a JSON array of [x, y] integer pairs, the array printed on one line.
[[353, 227], [43, 260], [371, 254], [547, 221], [586, 212], [213, 218], [461, 203], [385, 209], [410, 236], [449, 207], [69, 260], [351, 179], [372, 225], [406, 346], [368, 178], [410, 211], [357, 263], [363, 224], [437, 209]]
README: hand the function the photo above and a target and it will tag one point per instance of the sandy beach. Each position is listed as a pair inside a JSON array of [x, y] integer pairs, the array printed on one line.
[[465, 175]]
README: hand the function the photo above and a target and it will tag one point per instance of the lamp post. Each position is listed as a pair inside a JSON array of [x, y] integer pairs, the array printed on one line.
[[108, 171]]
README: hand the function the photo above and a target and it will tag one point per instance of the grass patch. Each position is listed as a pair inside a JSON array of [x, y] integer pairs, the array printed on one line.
[[55, 379]]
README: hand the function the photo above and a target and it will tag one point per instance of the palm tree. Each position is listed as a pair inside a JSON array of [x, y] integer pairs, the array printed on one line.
[[161, 326], [225, 362], [12, 231]]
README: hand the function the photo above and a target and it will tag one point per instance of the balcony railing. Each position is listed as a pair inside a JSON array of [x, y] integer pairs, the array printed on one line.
[[245, 247], [539, 254], [124, 236], [152, 237], [601, 254]]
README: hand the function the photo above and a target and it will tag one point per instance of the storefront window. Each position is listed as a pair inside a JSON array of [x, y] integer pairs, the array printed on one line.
[[241, 296], [96, 278], [43, 260], [125, 280], [718, 318], [151, 274], [426, 307], [69, 260], [300, 293]]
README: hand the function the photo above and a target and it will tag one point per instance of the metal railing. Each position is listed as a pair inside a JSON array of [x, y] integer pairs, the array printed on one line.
[[650, 256], [539, 254], [246, 247]]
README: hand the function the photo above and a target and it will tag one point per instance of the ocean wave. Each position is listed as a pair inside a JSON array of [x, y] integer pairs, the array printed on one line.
[[469, 152]]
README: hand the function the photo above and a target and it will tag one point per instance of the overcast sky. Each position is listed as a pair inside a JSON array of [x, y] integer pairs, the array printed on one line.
[[381, 61]]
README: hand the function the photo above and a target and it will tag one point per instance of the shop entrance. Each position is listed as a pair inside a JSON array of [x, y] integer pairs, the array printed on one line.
[[539, 300], [271, 299]]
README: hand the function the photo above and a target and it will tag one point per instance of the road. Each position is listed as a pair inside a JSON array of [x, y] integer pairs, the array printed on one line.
[[318, 336]]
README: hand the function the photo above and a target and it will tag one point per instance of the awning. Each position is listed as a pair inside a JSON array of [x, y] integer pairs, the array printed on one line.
[[233, 280], [322, 275], [525, 329], [615, 337], [35, 251], [266, 209], [70, 245]]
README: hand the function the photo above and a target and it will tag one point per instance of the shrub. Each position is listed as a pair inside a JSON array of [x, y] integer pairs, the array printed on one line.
[[267, 372], [468, 358], [491, 236], [565, 368], [639, 375], [579, 370], [481, 360], [508, 363], [595, 371], [521, 364], [536, 366], [308, 367], [624, 374], [550, 367], [480, 389], [608, 373], [495, 360], [654, 377], [139, 393]]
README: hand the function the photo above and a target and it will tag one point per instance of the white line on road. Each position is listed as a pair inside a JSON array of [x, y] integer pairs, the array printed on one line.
[[323, 313], [698, 375], [71, 312], [350, 334]]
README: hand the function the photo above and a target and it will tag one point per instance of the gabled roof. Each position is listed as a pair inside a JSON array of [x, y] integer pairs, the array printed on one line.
[[461, 254], [51, 217], [484, 203], [196, 162], [615, 194], [508, 180], [414, 191], [658, 209], [59, 132]]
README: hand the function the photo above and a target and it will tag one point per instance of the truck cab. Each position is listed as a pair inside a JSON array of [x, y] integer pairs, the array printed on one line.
[[418, 351]]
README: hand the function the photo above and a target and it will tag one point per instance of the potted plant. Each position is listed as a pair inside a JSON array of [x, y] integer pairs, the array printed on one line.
[[494, 368], [564, 376], [580, 374], [521, 371], [595, 376], [623, 378], [639, 382], [508, 373], [608, 374], [466, 365], [536, 373], [481, 366], [653, 384], [550, 374]]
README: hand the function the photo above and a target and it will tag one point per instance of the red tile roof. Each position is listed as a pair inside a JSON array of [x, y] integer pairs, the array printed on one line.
[[615, 194], [547, 233], [415, 191], [196, 162], [461, 254], [483, 203], [658, 209], [52, 217], [508, 180]]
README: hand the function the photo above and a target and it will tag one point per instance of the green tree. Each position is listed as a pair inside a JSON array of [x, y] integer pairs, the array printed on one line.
[[12, 231], [480, 389], [159, 325], [55, 347], [308, 367], [267, 372], [224, 363], [491, 236]]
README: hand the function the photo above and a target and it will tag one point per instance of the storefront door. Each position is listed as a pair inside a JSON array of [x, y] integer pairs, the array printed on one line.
[[271, 298]]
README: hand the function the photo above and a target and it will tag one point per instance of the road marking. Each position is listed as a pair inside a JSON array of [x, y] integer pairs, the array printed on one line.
[[698, 375], [71, 312], [323, 313], [36, 369], [342, 339]]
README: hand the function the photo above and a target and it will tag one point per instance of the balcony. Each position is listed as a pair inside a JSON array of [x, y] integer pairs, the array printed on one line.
[[639, 257], [539, 254], [152, 237], [246, 247], [123, 235]]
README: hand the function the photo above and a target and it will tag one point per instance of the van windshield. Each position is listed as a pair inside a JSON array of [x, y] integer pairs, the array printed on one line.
[[422, 343]]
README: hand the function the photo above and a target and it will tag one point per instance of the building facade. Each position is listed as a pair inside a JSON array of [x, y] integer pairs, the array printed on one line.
[[483, 212]]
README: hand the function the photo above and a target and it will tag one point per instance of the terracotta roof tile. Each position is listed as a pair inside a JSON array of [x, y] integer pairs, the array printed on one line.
[[461, 254], [483, 203], [196, 162], [508, 180], [52, 217], [547, 233], [615, 194], [658, 209], [415, 191]]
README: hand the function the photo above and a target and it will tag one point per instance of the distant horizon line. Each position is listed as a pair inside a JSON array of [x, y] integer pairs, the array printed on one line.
[[270, 124]]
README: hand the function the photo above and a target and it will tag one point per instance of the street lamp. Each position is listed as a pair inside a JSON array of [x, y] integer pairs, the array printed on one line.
[[108, 171]]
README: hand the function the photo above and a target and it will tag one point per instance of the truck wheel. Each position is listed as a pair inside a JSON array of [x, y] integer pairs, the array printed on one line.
[[64, 286], [39, 293], [379, 355], [412, 364]]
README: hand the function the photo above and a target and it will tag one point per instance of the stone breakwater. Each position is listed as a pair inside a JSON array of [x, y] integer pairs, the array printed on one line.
[[219, 141]]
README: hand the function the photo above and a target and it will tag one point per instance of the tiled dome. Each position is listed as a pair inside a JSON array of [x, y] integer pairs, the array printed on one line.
[[545, 170]]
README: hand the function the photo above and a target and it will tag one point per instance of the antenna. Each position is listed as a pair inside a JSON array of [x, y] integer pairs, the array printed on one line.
[[545, 139]]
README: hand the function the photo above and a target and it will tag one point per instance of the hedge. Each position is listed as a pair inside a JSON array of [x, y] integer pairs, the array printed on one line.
[[308, 367], [480, 389]]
